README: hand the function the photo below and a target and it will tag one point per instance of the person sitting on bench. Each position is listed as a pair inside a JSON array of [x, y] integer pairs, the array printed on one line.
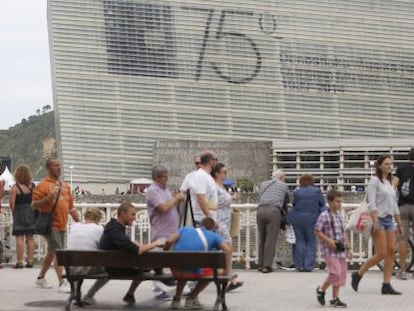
[[114, 238], [196, 239]]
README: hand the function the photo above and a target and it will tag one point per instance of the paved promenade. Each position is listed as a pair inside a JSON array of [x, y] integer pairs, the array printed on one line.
[[280, 290]]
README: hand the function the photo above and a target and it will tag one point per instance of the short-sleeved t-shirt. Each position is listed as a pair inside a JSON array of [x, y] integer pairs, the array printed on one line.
[[203, 183], [162, 224], [190, 240], [85, 236], [65, 203]]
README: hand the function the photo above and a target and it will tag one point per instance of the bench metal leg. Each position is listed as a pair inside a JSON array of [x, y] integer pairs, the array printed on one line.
[[221, 296]]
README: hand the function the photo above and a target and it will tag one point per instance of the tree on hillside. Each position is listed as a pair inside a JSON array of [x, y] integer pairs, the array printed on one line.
[[46, 109]]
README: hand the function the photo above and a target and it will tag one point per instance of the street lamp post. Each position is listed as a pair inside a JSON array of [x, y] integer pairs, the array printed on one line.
[[71, 167]]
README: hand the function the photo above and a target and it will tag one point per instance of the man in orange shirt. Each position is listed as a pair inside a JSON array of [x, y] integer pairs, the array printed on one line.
[[44, 198]]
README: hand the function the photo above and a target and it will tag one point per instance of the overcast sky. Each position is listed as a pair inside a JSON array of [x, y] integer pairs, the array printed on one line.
[[25, 82]]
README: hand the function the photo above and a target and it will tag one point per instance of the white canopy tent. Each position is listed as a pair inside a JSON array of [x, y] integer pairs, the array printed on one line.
[[139, 184]]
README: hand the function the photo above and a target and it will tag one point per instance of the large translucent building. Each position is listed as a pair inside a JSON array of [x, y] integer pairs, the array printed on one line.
[[129, 72]]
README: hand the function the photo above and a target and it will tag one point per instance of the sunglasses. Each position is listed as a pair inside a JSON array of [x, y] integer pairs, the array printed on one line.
[[197, 163]]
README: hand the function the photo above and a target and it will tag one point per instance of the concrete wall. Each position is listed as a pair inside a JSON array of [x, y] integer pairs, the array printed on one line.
[[244, 159]]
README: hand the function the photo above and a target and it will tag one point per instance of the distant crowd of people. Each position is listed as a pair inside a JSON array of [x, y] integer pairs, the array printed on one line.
[[205, 203]]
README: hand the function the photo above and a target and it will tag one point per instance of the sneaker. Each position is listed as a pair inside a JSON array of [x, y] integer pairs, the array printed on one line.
[[163, 296], [64, 288], [175, 304], [186, 290], [320, 296], [129, 300], [89, 300], [336, 303], [402, 275], [43, 283], [355, 278], [193, 304]]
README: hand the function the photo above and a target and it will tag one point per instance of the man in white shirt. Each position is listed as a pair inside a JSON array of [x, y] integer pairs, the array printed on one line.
[[203, 189]]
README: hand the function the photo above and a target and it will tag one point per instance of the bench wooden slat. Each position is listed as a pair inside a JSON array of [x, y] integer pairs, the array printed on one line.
[[154, 259]]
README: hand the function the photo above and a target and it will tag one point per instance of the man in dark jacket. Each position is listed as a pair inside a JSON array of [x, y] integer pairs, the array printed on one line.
[[114, 238]]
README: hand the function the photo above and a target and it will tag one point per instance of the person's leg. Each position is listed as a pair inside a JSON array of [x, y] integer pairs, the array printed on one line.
[[380, 251], [198, 289], [299, 246], [19, 249], [335, 291], [389, 255], [47, 261], [272, 232], [95, 287], [261, 228], [180, 287], [404, 215], [30, 248], [310, 251]]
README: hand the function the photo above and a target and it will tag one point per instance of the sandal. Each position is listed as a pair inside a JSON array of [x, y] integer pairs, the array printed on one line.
[[233, 285], [18, 265], [29, 265]]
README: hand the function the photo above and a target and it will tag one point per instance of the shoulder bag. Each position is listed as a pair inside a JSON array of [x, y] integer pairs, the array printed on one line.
[[44, 220]]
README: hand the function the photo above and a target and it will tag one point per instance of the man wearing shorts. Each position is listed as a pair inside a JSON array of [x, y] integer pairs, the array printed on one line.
[[196, 239], [52, 190], [404, 179]]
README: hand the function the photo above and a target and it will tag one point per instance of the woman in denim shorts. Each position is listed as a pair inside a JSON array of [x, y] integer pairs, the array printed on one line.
[[382, 200]]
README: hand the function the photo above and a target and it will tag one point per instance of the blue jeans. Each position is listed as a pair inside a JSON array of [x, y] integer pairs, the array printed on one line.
[[304, 253], [386, 223]]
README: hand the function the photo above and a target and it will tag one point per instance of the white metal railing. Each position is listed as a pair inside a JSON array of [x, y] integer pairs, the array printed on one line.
[[244, 245]]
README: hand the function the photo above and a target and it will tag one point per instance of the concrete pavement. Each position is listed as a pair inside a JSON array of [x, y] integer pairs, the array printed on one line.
[[280, 290]]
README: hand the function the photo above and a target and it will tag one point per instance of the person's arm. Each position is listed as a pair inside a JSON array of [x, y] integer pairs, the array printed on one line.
[[171, 241], [227, 251], [348, 248], [204, 205], [171, 203], [147, 247], [372, 207], [323, 237], [12, 198], [74, 214], [399, 224], [45, 200]]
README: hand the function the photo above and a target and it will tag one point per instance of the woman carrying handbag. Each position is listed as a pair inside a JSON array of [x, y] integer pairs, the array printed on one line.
[[383, 208]]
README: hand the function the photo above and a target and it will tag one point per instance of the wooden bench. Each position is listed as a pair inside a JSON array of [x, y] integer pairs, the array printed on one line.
[[147, 261]]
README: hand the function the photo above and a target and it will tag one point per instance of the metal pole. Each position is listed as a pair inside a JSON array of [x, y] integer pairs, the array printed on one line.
[[71, 169]]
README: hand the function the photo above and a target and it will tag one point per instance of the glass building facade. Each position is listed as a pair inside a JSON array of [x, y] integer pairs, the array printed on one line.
[[129, 72]]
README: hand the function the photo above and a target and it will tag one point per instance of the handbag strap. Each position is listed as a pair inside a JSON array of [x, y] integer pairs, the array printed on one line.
[[57, 199], [332, 223], [203, 238], [268, 186], [188, 204]]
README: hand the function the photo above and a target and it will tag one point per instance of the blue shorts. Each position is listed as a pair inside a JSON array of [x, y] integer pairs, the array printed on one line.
[[386, 223]]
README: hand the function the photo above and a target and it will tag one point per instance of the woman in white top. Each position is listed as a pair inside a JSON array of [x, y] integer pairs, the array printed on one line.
[[382, 204]]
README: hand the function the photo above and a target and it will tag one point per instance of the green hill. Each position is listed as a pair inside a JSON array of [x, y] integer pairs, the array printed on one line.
[[30, 142]]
